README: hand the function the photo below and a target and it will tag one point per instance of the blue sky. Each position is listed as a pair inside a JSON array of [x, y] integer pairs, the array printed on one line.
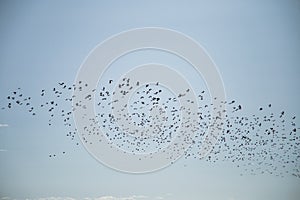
[[255, 45]]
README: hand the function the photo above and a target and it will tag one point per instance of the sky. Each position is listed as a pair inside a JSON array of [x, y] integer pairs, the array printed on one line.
[[255, 45]]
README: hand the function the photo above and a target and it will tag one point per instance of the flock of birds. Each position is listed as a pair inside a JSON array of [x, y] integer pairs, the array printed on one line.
[[52, 104], [265, 142]]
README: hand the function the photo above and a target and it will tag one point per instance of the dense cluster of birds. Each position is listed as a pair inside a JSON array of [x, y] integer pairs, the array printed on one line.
[[154, 116], [265, 142]]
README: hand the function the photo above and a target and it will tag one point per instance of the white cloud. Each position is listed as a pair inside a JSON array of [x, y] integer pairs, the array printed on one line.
[[3, 125], [139, 197], [134, 197], [56, 198], [105, 198], [3, 150]]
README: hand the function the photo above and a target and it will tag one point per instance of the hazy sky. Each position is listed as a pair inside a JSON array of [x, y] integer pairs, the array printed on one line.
[[255, 44]]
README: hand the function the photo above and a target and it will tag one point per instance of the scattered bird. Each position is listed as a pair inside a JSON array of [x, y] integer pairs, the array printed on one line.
[[264, 142]]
